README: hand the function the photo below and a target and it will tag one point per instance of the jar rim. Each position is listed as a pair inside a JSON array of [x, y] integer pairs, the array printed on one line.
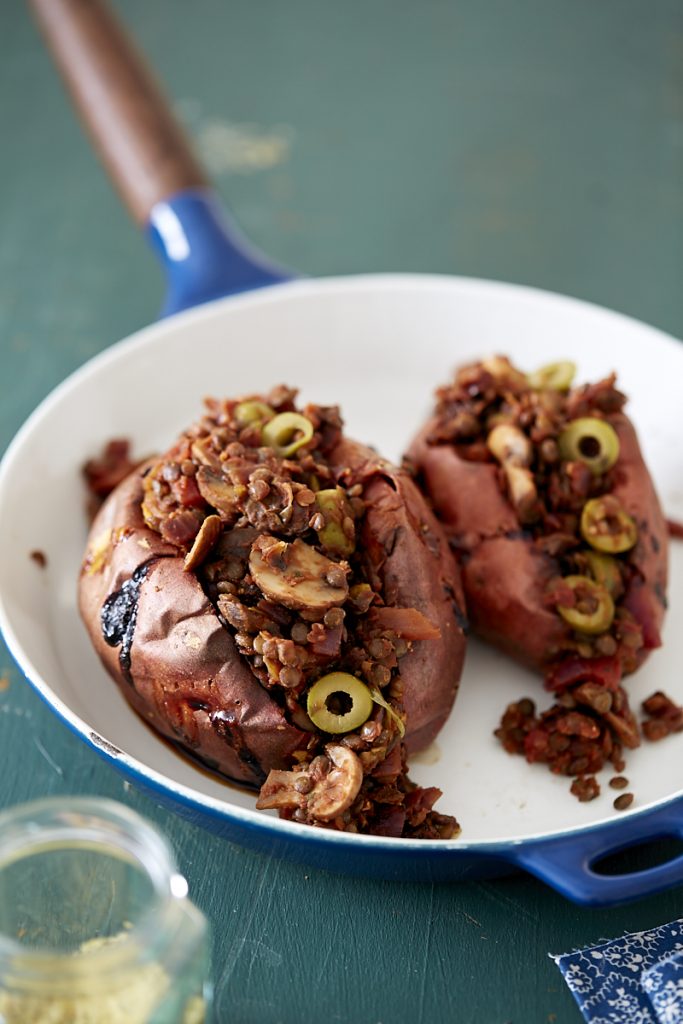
[[100, 825]]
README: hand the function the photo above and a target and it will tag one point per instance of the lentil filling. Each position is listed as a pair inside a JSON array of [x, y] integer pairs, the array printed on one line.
[[556, 454], [271, 528]]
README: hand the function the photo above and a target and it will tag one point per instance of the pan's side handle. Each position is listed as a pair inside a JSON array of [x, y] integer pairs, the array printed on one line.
[[567, 863], [148, 156]]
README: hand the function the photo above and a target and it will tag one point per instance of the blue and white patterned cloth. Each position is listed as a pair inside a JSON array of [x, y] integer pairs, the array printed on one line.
[[637, 979]]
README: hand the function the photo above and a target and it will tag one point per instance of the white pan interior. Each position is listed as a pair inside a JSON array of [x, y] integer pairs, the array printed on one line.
[[377, 346]]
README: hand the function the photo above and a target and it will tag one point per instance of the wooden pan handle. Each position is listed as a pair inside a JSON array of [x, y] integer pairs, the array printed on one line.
[[124, 110]]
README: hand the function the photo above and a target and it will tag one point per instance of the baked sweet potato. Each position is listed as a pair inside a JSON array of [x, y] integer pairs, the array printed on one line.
[[494, 461], [265, 558], [545, 497]]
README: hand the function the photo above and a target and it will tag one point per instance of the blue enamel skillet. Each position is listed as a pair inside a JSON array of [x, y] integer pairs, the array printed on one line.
[[234, 322]]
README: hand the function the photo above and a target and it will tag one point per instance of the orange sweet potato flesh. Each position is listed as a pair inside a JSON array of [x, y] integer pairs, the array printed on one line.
[[185, 676], [505, 575]]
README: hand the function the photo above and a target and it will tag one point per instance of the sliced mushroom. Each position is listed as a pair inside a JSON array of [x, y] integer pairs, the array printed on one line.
[[218, 492], [509, 445], [321, 796], [296, 575], [209, 532], [279, 791], [522, 491], [203, 453], [501, 368], [337, 790], [513, 449]]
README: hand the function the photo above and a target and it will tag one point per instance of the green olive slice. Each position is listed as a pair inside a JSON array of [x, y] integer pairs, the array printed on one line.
[[252, 412], [336, 511], [591, 441], [605, 570], [287, 432], [594, 609], [338, 703], [553, 376], [607, 526]]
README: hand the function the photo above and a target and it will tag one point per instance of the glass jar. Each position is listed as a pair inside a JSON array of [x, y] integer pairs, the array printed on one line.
[[95, 926]]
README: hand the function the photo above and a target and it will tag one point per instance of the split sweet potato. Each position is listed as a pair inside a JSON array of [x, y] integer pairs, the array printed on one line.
[[545, 497], [515, 520], [262, 552]]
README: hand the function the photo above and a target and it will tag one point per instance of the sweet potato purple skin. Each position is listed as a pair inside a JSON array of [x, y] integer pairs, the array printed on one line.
[[186, 677], [504, 573], [417, 570]]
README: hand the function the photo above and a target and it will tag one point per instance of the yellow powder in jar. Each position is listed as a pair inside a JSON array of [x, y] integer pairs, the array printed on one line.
[[134, 999]]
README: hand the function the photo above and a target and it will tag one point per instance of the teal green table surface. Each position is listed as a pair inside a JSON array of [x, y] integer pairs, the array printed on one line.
[[537, 141]]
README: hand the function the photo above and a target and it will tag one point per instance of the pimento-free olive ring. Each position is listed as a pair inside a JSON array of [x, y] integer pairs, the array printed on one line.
[[605, 570], [280, 433], [252, 411], [334, 507], [607, 526], [339, 702], [592, 441], [553, 376], [587, 591]]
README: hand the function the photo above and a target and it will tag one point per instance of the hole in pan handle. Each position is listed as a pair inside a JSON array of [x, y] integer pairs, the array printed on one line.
[[148, 156], [567, 863]]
